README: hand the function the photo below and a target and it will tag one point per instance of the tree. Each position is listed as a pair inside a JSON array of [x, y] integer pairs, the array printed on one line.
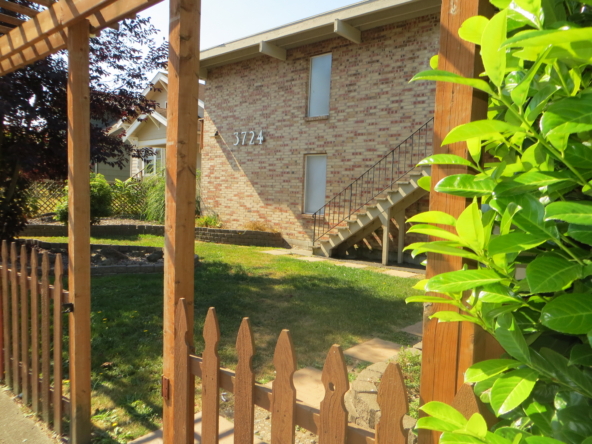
[[33, 111]]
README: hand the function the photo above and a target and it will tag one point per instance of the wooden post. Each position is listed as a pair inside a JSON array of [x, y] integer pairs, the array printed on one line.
[[449, 348], [79, 228], [181, 159], [400, 220]]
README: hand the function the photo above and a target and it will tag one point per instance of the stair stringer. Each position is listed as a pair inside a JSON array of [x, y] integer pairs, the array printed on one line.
[[360, 227]]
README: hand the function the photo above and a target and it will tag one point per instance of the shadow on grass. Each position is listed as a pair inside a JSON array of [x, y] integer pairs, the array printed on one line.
[[319, 303]]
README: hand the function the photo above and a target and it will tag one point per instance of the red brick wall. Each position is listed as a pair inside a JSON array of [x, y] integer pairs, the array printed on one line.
[[372, 109]]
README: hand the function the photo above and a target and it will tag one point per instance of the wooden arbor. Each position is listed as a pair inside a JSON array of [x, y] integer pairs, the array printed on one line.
[[67, 24]]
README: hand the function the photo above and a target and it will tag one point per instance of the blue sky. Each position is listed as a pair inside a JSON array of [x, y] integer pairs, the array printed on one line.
[[227, 20]]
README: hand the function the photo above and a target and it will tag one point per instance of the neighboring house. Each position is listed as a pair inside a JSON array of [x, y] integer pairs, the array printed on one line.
[[149, 131], [297, 113]]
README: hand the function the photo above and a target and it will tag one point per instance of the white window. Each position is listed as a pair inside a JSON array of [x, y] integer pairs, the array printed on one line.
[[320, 85], [315, 182], [155, 163]]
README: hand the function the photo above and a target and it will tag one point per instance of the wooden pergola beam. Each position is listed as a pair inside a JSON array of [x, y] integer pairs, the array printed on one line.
[[60, 15], [107, 17], [46, 3], [5, 29], [19, 9], [11, 20]]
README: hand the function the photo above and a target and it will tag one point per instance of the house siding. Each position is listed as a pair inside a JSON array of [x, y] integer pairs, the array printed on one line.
[[372, 109]]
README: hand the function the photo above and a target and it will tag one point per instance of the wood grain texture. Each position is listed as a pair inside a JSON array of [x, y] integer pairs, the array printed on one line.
[[283, 404], [333, 426], [210, 380], [45, 337], [181, 160], [58, 327], [244, 407], [448, 348], [14, 7], [79, 228], [34, 331], [5, 344], [16, 376], [24, 284], [392, 399], [182, 400]]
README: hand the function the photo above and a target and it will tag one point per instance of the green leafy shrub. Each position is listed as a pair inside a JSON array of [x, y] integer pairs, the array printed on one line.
[[208, 221], [101, 201], [129, 197], [529, 227]]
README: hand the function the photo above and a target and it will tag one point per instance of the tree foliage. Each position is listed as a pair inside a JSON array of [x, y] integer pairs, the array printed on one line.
[[33, 111], [528, 228]]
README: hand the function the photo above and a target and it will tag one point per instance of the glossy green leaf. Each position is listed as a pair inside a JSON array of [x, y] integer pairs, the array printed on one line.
[[445, 159], [433, 217], [514, 243], [445, 413], [486, 369], [434, 62], [431, 230], [474, 147], [541, 415], [470, 227], [472, 29], [549, 37], [511, 389], [530, 181], [551, 273], [439, 425], [425, 182], [482, 129], [459, 438], [581, 355], [531, 216], [452, 316], [573, 212], [465, 185], [542, 440], [496, 298], [579, 155], [539, 101], [445, 76], [440, 247], [569, 313], [520, 93], [581, 233], [508, 334], [500, 4], [492, 52], [462, 280], [507, 217], [477, 426], [429, 299], [568, 116], [420, 285]]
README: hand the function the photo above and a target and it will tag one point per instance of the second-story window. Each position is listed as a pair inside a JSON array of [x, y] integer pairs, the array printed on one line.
[[320, 85]]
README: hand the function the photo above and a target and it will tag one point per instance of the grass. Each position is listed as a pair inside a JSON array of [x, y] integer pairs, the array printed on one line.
[[320, 303]]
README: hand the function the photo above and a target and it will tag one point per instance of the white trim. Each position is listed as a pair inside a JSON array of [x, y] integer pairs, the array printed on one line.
[[272, 50], [159, 77], [156, 115], [134, 126], [347, 31], [153, 120], [150, 143]]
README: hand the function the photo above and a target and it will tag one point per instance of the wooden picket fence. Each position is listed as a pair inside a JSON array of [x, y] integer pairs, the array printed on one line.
[[329, 423], [31, 332]]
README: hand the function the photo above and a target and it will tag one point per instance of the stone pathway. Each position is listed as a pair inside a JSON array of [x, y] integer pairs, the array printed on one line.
[[15, 427], [415, 329], [305, 255]]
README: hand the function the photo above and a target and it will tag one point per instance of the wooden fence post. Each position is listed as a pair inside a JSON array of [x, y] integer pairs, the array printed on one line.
[[181, 160], [79, 228], [333, 423], [283, 401], [449, 348], [244, 407], [7, 377]]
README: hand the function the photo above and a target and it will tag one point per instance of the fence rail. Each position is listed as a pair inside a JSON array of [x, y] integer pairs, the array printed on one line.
[[329, 422], [391, 168], [31, 332]]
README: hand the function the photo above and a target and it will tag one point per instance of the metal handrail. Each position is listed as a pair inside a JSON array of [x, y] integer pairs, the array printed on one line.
[[379, 177]]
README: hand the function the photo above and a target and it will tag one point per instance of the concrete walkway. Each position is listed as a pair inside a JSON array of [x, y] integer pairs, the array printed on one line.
[[15, 427]]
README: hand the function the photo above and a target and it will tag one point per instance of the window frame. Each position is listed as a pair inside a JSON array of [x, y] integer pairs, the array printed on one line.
[[310, 78]]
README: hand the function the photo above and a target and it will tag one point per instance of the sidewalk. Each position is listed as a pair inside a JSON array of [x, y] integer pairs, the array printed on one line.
[[15, 427]]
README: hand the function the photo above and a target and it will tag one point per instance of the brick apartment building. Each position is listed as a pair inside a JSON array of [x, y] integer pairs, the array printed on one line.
[[295, 114]]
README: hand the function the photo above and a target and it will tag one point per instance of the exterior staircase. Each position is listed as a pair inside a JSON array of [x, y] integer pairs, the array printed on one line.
[[370, 202]]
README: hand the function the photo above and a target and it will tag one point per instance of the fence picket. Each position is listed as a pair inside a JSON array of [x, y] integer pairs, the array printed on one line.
[[182, 399], [26, 383], [333, 423], [34, 331], [6, 373], [392, 399], [45, 345], [244, 407], [210, 379], [283, 401], [57, 344], [16, 380], [465, 401]]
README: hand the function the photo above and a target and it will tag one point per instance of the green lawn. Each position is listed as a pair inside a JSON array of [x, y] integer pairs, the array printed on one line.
[[320, 303]]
